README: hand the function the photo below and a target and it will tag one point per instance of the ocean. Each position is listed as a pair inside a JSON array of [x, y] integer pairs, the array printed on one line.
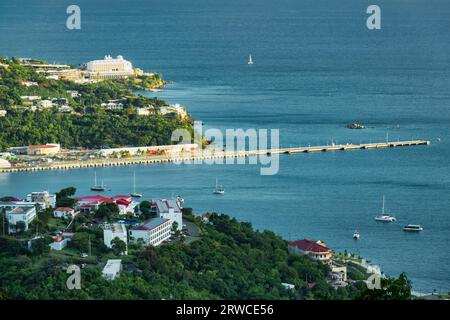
[[316, 68]]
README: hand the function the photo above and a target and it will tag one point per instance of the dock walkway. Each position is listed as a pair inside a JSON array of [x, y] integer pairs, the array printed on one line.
[[207, 155]]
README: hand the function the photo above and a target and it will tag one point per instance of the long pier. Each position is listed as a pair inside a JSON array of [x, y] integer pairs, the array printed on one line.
[[208, 155]]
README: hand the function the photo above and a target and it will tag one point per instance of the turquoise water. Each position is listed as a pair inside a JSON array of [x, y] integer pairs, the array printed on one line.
[[317, 67]]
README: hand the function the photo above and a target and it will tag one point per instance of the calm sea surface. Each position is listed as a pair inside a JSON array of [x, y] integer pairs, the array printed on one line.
[[317, 67]]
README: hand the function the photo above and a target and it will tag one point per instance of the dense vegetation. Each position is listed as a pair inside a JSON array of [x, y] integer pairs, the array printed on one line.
[[90, 126], [230, 261]]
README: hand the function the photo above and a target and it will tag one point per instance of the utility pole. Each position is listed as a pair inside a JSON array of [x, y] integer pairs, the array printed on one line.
[[89, 248]]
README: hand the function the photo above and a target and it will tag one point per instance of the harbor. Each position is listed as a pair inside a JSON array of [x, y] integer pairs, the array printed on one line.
[[207, 155]]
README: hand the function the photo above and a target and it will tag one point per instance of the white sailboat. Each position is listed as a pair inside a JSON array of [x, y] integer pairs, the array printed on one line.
[[250, 60], [384, 217], [97, 187], [218, 189], [134, 194]]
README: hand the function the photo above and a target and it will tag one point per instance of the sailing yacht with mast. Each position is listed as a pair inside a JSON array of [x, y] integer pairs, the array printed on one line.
[[218, 189], [134, 194], [250, 60], [97, 187], [384, 217]]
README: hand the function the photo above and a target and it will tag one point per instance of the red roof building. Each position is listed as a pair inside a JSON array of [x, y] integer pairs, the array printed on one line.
[[315, 249]]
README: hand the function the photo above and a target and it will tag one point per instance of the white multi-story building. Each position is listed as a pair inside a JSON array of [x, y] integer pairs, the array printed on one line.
[[110, 68], [175, 109], [43, 198], [153, 232], [169, 209], [25, 214], [112, 269], [112, 231]]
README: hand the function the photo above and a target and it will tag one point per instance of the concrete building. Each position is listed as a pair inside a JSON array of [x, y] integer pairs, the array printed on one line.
[[315, 249], [169, 209], [25, 214], [112, 269], [64, 212], [110, 68], [112, 231], [153, 232], [44, 150], [43, 198]]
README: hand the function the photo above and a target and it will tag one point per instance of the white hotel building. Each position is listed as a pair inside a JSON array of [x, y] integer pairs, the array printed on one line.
[[110, 68], [25, 214], [153, 232]]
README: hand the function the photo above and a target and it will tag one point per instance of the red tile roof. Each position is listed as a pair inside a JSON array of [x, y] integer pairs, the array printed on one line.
[[64, 209], [123, 202], [309, 246]]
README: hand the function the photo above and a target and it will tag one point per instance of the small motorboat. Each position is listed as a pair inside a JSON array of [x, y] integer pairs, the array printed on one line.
[[356, 235], [250, 60], [413, 227]]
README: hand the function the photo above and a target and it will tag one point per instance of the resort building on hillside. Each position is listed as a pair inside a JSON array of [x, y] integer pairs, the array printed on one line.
[[142, 111], [44, 150], [110, 68], [91, 203], [45, 104], [174, 109], [43, 198], [112, 269], [153, 232], [64, 212], [314, 249], [112, 231], [168, 209], [25, 214], [112, 106]]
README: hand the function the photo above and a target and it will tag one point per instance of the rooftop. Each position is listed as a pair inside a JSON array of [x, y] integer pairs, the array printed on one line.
[[163, 205], [22, 210], [309, 246], [151, 224], [112, 266]]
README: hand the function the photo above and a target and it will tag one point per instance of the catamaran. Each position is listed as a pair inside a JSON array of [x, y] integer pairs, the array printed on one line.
[[250, 61], [97, 187], [384, 217], [218, 189], [134, 194]]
